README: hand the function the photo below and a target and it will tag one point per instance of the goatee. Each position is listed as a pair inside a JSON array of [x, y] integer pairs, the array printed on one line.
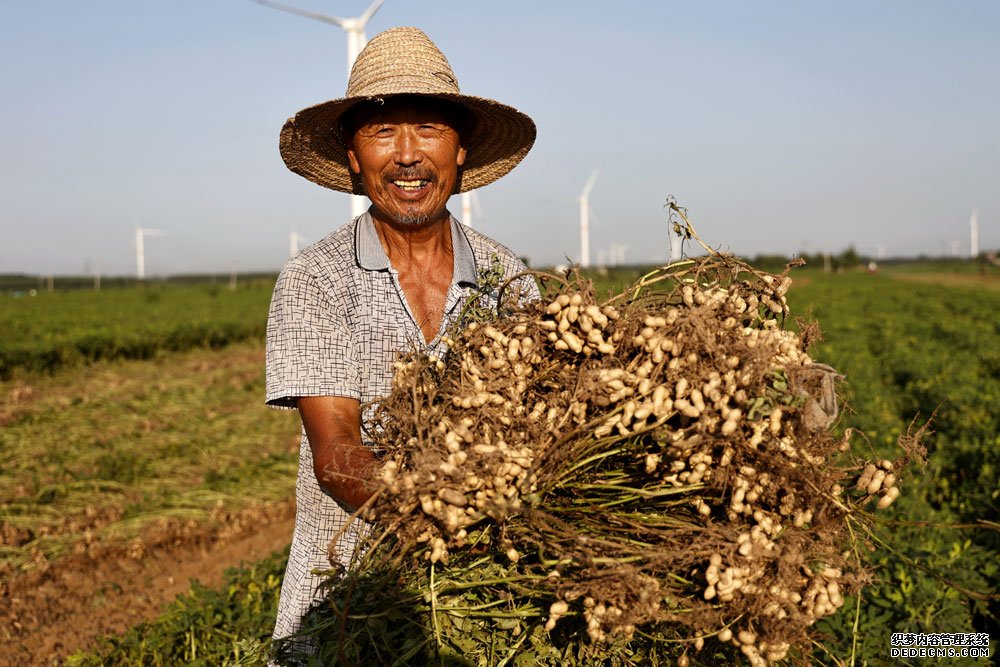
[[412, 219]]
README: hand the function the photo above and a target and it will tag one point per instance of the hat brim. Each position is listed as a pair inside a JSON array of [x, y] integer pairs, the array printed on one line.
[[311, 144]]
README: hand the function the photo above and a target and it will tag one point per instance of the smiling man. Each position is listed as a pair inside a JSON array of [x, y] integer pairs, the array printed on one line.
[[392, 280]]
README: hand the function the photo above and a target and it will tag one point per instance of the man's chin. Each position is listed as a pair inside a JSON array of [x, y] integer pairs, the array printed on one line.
[[402, 215], [412, 220]]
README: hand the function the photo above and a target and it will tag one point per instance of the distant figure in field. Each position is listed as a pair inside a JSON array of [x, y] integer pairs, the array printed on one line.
[[391, 280]]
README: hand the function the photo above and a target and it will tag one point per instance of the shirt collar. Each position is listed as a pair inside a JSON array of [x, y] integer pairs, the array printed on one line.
[[372, 257]]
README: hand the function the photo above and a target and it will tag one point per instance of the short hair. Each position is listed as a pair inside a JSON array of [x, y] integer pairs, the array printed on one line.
[[459, 116]]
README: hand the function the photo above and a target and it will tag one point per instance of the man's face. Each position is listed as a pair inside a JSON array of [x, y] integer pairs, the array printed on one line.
[[407, 152]]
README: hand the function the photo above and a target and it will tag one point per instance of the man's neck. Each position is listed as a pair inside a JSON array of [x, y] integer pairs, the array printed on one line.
[[423, 257], [406, 245]]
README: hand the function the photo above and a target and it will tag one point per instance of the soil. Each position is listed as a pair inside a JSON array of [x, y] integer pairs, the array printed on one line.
[[47, 615]]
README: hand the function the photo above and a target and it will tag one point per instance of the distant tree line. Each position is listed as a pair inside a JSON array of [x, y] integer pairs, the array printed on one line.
[[985, 262], [23, 283]]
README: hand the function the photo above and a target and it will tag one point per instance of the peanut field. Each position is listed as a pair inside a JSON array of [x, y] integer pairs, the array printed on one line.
[[130, 408]]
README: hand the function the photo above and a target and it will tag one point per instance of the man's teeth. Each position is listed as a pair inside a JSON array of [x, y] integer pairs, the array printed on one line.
[[410, 185]]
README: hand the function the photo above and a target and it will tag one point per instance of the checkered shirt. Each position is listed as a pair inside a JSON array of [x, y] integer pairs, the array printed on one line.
[[337, 322]]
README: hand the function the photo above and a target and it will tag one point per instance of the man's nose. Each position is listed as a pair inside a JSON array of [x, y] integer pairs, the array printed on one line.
[[408, 146]]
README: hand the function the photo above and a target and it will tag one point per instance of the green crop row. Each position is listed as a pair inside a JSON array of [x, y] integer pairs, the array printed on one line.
[[919, 351], [53, 330], [227, 625], [912, 353]]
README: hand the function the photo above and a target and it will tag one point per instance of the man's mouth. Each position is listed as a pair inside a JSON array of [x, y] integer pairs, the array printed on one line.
[[410, 185]]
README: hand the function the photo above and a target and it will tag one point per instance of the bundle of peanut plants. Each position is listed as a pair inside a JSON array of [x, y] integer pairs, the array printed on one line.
[[644, 479]]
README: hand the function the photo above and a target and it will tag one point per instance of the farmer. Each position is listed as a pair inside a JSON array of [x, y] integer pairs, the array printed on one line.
[[391, 280]]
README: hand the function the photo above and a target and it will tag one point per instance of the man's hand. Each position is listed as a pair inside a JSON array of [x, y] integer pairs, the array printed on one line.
[[342, 464]]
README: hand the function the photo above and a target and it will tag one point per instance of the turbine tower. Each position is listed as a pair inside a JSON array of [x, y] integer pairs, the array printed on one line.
[[294, 239], [585, 221], [355, 29], [974, 234], [470, 200], [140, 254], [676, 245]]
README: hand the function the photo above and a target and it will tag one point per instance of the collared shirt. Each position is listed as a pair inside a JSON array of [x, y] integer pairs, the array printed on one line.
[[337, 322]]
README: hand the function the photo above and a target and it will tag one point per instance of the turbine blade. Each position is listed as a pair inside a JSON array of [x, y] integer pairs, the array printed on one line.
[[302, 12], [363, 19], [590, 184]]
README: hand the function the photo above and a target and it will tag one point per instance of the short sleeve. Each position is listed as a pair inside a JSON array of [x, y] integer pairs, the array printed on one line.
[[310, 346]]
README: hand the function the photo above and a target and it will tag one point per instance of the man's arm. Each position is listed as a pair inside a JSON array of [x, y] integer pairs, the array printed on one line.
[[342, 464]]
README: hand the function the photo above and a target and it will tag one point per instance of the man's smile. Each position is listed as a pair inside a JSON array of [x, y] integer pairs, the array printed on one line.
[[411, 185]]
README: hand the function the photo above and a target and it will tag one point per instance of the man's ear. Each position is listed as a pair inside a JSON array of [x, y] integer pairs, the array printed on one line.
[[352, 159], [460, 159]]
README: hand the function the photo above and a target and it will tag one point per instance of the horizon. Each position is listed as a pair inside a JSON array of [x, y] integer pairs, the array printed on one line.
[[762, 258]]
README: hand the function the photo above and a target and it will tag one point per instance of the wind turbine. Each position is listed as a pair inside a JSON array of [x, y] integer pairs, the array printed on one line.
[[974, 234], [618, 253], [676, 244], [470, 200], [294, 239], [355, 29], [140, 255], [585, 221]]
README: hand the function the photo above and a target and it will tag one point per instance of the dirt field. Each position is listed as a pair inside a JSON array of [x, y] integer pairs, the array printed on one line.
[[49, 614], [88, 552]]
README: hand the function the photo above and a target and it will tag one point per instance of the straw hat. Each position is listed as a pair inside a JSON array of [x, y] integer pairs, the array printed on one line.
[[404, 61]]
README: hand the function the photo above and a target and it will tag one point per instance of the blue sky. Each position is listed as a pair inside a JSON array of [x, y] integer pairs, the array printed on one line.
[[782, 126]]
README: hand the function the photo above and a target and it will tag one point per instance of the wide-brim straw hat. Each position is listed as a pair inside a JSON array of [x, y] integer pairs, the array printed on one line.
[[404, 61]]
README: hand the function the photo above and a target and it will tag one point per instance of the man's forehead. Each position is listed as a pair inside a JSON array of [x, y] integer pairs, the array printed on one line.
[[406, 107]]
